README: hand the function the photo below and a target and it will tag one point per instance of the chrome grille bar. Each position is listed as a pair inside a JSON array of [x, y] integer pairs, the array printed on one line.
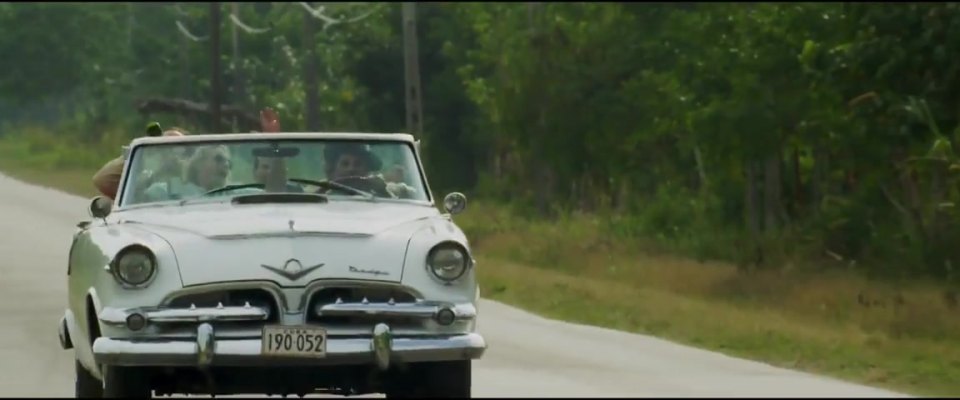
[[417, 310], [247, 312]]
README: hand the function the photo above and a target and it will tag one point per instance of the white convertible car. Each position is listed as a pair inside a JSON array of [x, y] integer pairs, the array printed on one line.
[[288, 263]]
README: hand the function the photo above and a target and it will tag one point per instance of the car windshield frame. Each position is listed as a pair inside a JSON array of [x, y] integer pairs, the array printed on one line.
[[131, 152]]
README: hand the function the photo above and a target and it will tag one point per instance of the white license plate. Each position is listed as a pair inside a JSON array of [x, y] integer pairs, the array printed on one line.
[[294, 341]]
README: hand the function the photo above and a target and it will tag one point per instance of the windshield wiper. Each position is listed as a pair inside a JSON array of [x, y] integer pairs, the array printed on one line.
[[234, 187]]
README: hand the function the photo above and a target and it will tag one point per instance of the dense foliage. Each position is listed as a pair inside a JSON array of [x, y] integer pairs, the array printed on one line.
[[744, 131]]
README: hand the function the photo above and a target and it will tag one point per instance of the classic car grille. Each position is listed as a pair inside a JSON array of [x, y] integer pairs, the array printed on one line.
[[231, 297], [373, 294]]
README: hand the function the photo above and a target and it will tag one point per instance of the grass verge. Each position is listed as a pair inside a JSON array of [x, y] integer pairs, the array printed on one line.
[[894, 335], [900, 336]]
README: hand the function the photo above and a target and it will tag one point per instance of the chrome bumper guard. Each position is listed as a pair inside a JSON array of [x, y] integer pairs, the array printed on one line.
[[381, 348]]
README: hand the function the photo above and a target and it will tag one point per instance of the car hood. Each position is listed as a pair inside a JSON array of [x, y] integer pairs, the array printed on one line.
[[288, 244], [224, 221]]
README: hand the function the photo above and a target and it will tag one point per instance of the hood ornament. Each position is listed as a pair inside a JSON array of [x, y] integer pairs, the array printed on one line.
[[292, 269], [291, 225]]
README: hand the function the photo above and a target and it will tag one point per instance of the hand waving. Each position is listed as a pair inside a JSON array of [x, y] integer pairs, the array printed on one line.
[[269, 121]]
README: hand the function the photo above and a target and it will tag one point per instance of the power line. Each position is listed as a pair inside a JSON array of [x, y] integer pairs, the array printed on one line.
[[246, 28], [185, 32], [329, 21]]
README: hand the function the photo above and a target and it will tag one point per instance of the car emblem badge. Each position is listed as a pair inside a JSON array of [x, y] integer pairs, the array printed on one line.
[[291, 225], [373, 272], [292, 269]]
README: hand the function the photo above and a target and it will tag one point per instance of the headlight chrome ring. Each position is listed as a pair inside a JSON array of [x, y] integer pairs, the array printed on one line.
[[448, 261], [134, 267]]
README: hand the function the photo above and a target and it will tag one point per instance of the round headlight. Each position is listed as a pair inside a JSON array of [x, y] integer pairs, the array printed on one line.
[[135, 266], [447, 262]]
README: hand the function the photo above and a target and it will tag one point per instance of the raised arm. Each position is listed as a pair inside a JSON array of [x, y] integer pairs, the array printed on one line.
[[107, 179], [277, 179]]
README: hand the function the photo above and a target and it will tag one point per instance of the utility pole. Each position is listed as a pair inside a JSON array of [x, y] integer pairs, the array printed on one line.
[[215, 85], [184, 71], [411, 70], [310, 64], [237, 75], [541, 171], [130, 23], [310, 80]]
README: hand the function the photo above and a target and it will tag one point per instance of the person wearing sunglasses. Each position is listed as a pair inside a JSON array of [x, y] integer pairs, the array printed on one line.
[[207, 169]]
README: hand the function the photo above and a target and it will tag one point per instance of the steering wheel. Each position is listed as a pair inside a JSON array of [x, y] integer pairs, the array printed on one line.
[[333, 185], [373, 184]]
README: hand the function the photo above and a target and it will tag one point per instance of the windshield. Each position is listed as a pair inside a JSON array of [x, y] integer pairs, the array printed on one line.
[[363, 169]]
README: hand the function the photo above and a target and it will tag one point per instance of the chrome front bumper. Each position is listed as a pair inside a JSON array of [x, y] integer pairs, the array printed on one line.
[[379, 347]]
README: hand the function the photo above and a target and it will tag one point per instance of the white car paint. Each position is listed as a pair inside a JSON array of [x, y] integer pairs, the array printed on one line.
[[217, 241]]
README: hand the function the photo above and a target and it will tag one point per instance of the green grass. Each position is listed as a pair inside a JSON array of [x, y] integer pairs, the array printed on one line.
[[38, 156], [570, 269], [801, 320], [75, 181]]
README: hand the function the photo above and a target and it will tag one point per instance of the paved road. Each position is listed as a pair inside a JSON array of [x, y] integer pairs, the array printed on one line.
[[528, 356]]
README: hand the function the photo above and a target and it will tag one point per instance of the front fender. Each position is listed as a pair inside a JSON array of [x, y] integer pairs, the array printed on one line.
[[90, 280], [106, 242], [415, 273]]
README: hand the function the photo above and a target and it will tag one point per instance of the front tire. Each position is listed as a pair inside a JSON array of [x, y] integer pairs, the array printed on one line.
[[448, 379], [125, 382], [86, 385]]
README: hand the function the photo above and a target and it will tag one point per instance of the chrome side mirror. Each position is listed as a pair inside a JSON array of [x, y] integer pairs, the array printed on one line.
[[454, 203], [100, 207]]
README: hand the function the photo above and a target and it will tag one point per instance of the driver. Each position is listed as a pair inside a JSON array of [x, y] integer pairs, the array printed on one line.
[[350, 160], [352, 164]]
